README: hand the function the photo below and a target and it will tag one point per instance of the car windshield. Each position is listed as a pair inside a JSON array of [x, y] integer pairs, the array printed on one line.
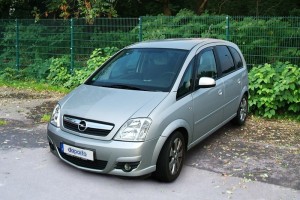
[[141, 69]]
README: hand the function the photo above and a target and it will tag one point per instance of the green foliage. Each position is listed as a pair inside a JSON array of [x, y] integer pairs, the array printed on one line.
[[31, 84], [60, 75], [36, 42], [79, 8], [59, 70], [262, 40], [266, 40], [92, 9], [99, 56], [38, 70], [46, 118], [11, 74], [186, 24], [116, 38], [2, 122], [274, 90]]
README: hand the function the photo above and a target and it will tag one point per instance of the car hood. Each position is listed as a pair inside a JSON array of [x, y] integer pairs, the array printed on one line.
[[110, 105]]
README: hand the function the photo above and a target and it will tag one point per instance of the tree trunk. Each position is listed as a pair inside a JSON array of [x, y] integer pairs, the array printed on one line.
[[166, 8], [201, 6]]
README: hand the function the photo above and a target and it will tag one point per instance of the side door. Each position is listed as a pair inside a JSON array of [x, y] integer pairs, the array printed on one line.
[[231, 77], [207, 102]]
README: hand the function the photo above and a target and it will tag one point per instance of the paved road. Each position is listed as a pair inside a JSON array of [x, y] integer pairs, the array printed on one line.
[[37, 174], [29, 171]]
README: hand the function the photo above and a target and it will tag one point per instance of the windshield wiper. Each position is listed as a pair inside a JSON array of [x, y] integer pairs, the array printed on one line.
[[127, 87]]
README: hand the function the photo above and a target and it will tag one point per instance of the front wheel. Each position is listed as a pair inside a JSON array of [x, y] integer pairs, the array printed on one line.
[[242, 112], [171, 158]]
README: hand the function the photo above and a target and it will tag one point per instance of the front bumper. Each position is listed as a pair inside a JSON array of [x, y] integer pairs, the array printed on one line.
[[109, 155]]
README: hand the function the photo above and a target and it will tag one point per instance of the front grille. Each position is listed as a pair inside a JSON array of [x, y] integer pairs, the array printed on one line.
[[93, 127], [96, 164]]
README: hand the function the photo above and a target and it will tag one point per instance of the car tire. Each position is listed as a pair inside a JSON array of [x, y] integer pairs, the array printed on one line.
[[242, 112], [170, 160]]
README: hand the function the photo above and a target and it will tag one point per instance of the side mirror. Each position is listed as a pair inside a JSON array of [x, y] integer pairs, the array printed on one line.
[[206, 82]]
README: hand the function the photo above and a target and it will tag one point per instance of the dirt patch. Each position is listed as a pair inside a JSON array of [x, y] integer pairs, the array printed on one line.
[[13, 93], [26, 105], [37, 113], [263, 150]]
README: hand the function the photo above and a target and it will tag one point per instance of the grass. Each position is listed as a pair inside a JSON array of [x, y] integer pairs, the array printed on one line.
[[33, 85], [46, 118], [2, 122]]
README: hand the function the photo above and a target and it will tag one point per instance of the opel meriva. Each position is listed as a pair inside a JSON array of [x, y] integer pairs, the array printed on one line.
[[146, 106]]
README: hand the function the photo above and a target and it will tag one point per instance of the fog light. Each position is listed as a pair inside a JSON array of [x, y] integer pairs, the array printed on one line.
[[127, 167]]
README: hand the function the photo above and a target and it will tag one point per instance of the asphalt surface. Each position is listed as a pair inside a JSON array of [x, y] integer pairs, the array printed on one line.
[[37, 174], [29, 171]]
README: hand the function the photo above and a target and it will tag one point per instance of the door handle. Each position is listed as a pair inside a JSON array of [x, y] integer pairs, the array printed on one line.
[[220, 92], [239, 81]]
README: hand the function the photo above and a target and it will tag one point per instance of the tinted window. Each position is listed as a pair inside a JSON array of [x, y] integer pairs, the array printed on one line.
[[237, 58], [226, 61], [141, 69], [185, 85], [206, 65]]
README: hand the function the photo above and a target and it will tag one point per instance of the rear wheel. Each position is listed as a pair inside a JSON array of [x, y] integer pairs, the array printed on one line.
[[171, 158], [242, 112]]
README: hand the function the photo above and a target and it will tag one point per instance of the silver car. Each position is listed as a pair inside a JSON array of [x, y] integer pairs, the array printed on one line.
[[146, 106]]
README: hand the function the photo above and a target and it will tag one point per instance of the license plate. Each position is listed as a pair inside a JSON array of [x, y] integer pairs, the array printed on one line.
[[77, 152]]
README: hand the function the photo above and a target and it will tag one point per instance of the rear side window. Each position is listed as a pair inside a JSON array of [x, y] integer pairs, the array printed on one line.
[[237, 58], [226, 60]]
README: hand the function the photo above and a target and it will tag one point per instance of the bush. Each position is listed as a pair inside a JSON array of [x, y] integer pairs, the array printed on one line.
[[39, 70], [11, 74], [266, 40], [59, 70], [185, 24], [98, 57], [60, 75], [274, 89], [37, 41]]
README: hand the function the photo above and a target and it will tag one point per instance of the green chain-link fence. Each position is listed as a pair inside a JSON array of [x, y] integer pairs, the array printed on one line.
[[261, 39], [24, 42], [27, 42]]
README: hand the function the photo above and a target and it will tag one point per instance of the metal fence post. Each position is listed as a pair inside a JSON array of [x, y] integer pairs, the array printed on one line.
[[17, 46], [227, 28], [140, 29], [72, 45]]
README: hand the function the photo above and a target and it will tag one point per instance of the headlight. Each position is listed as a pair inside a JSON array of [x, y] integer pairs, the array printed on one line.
[[134, 130], [55, 118]]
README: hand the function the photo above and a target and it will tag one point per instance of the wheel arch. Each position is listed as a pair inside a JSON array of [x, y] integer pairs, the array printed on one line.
[[178, 125], [246, 93]]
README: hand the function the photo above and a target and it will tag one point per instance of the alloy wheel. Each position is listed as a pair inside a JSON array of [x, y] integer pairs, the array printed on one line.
[[176, 156]]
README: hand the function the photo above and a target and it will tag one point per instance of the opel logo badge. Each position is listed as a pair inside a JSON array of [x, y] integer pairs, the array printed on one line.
[[82, 126]]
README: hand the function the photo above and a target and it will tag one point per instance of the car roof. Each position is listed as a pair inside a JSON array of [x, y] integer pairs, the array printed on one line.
[[186, 44]]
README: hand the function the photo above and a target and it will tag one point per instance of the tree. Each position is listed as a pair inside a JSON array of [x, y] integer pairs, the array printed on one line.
[[254, 8], [202, 4], [166, 8], [89, 9], [18, 8]]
